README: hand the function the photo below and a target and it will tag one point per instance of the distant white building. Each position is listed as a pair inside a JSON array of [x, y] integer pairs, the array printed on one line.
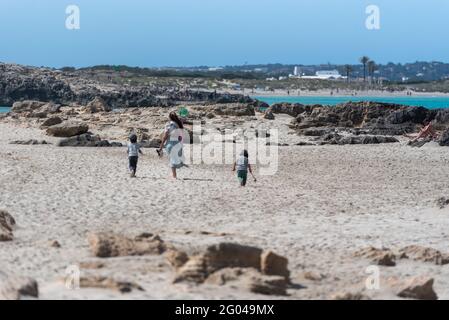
[[325, 75]]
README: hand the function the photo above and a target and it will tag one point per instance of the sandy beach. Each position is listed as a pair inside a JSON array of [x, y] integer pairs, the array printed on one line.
[[324, 204], [335, 93]]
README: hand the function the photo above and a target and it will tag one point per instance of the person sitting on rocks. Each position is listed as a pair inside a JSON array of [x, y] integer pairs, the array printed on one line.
[[427, 131]]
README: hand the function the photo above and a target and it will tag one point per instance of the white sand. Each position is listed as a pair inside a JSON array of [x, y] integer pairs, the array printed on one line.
[[325, 203]]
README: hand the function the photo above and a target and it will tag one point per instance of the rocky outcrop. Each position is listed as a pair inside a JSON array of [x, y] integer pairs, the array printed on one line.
[[381, 257], [388, 257], [87, 140], [236, 110], [7, 224], [68, 129], [19, 83], [106, 245], [444, 139], [339, 139], [424, 254], [26, 106], [293, 110], [373, 117]]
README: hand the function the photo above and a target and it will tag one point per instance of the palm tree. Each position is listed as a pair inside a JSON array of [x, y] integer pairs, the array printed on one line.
[[371, 68], [348, 70], [364, 60]]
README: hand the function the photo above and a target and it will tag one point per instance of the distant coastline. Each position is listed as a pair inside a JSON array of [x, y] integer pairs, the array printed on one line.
[[340, 93]]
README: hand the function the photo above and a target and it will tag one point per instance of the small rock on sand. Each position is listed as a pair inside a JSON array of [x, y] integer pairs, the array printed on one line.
[[274, 264], [51, 122], [15, 288], [7, 224], [102, 282], [420, 288]]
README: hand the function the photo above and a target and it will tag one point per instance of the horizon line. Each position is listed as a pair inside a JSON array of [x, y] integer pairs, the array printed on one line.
[[219, 66]]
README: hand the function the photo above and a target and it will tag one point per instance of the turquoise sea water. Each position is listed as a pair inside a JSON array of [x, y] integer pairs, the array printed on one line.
[[428, 102], [4, 109]]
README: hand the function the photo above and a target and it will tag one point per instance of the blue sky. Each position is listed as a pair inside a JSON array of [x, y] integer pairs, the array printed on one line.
[[221, 32]]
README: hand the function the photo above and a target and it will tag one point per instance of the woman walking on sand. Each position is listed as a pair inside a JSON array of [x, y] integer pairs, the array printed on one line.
[[172, 140]]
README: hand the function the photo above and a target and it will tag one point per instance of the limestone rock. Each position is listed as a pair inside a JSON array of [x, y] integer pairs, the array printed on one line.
[[51, 122], [102, 282], [249, 279], [269, 266], [236, 110], [106, 245], [87, 140], [444, 139], [420, 287], [97, 105], [7, 224], [424, 254], [176, 258], [67, 129], [273, 264], [16, 288], [381, 257], [26, 106]]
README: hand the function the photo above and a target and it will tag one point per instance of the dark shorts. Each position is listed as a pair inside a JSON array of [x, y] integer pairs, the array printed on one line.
[[133, 163], [242, 176]]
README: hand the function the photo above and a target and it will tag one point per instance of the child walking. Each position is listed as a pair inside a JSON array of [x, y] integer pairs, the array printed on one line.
[[242, 165], [133, 154]]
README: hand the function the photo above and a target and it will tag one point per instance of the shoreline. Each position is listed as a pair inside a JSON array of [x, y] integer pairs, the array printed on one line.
[[340, 94]]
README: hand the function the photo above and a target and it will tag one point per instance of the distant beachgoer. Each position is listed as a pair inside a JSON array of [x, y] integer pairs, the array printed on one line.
[[242, 166], [172, 141], [133, 154]]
